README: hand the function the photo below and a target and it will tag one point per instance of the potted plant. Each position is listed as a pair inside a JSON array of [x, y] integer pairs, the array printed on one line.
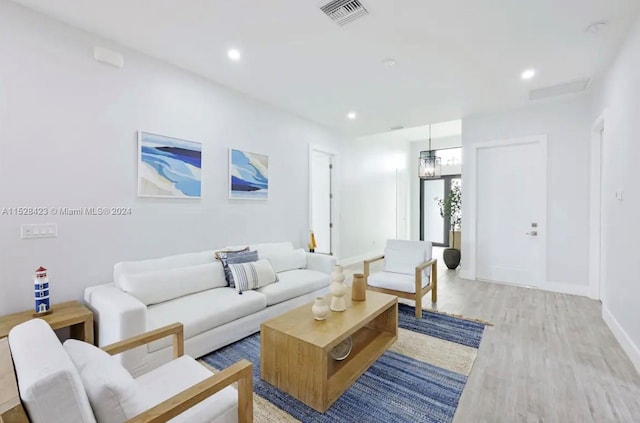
[[450, 208]]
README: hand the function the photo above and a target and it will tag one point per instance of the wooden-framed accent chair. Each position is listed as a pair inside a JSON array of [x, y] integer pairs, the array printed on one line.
[[405, 273], [43, 380]]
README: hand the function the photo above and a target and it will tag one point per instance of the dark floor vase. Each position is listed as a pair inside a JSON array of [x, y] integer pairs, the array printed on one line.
[[451, 257]]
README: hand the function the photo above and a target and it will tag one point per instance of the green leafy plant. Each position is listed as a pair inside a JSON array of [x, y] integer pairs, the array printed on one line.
[[451, 208]]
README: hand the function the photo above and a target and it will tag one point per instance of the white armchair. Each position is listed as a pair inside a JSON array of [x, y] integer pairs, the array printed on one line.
[[405, 272], [44, 381]]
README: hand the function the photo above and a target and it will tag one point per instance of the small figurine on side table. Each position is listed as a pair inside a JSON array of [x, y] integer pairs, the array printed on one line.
[[41, 292]]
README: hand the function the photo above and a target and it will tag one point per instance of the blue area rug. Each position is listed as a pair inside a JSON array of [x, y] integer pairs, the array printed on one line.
[[396, 388]]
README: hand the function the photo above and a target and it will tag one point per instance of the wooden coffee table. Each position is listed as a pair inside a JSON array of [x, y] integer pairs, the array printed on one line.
[[296, 349]]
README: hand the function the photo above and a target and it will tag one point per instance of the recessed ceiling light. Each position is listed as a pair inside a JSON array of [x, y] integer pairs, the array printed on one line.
[[351, 115], [596, 27], [234, 54], [528, 74], [389, 62]]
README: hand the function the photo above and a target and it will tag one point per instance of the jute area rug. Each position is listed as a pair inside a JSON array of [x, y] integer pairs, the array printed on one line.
[[419, 379]]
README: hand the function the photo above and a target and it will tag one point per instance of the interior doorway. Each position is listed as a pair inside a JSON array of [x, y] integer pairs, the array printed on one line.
[[510, 203], [597, 256], [322, 199]]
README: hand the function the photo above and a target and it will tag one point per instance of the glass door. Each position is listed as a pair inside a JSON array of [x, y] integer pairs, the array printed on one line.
[[433, 227]]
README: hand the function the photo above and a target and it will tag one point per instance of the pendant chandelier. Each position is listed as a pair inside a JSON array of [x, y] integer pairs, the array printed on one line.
[[429, 166]]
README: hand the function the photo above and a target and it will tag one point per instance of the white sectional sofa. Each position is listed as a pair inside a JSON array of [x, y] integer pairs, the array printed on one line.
[[191, 289]]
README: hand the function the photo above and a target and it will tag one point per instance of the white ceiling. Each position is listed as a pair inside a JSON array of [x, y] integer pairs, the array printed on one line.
[[454, 57]]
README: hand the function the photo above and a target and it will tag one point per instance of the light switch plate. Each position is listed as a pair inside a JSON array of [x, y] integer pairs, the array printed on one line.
[[40, 230]]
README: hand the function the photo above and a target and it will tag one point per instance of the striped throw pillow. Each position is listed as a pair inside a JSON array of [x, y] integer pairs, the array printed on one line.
[[252, 275], [234, 257]]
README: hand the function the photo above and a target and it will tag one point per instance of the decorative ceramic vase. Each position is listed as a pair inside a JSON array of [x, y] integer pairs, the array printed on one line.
[[451, 257], [338, 289], [320, 309], [359, 288]]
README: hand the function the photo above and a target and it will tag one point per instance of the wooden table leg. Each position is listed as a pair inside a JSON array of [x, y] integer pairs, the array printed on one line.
[[83, 330]]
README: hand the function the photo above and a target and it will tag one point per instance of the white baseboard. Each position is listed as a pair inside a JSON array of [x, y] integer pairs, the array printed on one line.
[[466, 274], [358, 259], [623, 337], [566, 288]]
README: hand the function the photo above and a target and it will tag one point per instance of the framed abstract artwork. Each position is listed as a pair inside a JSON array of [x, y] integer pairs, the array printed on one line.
[[168, 167], [248, 175]]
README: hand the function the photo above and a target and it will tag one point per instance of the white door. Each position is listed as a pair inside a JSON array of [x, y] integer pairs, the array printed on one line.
[[511, 212], [321, 200]]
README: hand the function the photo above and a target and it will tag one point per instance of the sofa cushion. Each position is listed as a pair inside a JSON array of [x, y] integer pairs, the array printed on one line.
[[235, 257], [112, 392], [174, 377], [163, 285], [396, 281], [162, 263], [202, 311], [286, 260], [294, 283], [50, 386], [254, 275]]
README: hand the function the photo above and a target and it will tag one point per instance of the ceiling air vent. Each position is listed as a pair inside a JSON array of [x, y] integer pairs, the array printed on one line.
[[344, 11], [571, 87]]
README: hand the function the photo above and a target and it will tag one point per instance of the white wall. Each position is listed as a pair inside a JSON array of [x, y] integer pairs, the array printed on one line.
[[375, 202], [68, 139], [619, 97], [567, 124]]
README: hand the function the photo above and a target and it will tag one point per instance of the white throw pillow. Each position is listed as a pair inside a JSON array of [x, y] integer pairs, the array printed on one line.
[[112, 391], [163, 285], [403, 260], [283, 261], [252, 275]]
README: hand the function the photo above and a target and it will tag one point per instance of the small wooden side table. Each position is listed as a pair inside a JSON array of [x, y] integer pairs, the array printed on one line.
[[71, 314]]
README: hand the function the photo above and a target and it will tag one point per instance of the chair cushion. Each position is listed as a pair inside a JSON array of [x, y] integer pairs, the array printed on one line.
[[396, 281], [202, 311], [174, 377], [163, 285], [113, 394], [294, 283], [254, 275], [50, 386], [401, 256], [286, 260]]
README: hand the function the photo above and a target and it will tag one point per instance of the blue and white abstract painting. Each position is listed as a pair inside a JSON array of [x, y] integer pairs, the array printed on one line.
[[248, 175], [168, 167]]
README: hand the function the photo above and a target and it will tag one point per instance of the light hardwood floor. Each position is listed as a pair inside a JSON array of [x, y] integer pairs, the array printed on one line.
[[549, 358]]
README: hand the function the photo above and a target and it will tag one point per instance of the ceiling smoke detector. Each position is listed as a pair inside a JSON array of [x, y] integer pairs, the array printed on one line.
[[344, 11]]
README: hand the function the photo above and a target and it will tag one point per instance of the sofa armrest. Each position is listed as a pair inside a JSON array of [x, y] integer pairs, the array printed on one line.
[[118, 316], [321, 262]]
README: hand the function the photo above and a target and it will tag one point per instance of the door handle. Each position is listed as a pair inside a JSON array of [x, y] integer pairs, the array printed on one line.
[[532, 233]]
